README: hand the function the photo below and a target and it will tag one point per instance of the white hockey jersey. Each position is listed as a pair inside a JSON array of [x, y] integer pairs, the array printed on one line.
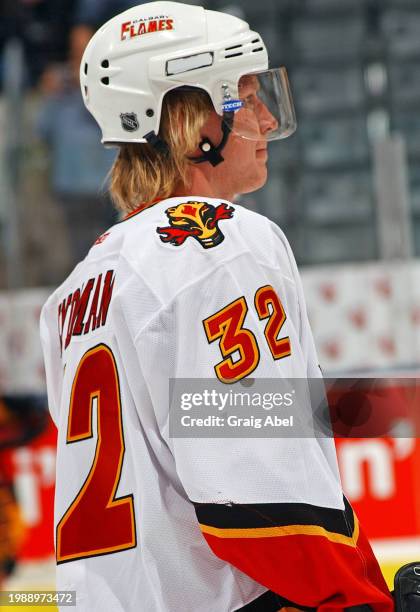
[[190, 288]]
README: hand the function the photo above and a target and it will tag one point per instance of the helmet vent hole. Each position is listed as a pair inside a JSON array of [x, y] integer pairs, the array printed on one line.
[[105, 80], [258, 49], [86, 68], [233, 55], [86, 91], [234, 47], [105, 64]]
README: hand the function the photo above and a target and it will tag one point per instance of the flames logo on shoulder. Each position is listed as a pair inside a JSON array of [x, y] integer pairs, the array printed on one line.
[[196, 219]]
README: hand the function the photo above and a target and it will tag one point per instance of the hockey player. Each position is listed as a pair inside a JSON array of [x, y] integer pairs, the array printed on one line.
[[190, 285]]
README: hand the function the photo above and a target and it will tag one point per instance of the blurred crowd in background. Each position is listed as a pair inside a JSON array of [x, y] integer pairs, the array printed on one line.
[[345, 189], [51, 37]]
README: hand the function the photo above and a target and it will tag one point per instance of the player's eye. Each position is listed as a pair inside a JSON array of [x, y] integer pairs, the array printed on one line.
[[253, 102]]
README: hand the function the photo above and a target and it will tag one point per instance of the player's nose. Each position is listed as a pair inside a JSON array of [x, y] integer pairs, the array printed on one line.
[[268, 123]]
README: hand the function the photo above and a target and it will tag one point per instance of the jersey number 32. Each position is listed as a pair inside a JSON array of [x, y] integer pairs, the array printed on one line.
[[227, 326]]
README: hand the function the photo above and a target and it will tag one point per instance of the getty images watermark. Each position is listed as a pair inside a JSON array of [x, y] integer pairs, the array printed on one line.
[[224, 401], [292, 408]]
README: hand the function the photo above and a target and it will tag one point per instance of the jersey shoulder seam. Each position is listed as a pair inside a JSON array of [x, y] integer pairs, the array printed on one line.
[[139, 275], [191, 284]]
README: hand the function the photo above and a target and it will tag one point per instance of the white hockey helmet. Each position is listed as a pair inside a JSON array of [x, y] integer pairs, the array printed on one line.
[[138, 56]]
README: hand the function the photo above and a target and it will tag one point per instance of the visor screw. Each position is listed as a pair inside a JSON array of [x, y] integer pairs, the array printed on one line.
[[226, 93], [150, 112], [206, 147]]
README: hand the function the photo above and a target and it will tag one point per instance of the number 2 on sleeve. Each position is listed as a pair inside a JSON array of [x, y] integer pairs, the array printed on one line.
[[96, 522], [265, 297]]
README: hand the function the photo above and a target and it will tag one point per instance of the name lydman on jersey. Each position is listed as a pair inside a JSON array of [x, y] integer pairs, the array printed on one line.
[[190, 288], [74, 316]]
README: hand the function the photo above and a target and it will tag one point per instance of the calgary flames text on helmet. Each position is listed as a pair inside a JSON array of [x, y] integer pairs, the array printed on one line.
[[132, 29]]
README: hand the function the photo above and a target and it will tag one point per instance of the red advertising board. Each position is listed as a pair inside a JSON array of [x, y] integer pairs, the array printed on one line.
[[379, 476]]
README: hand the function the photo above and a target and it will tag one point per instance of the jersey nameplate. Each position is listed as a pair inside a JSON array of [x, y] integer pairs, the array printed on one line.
[[86, 308]]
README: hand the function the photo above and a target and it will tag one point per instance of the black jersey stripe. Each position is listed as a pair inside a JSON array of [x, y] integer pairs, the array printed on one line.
[[254, 516]]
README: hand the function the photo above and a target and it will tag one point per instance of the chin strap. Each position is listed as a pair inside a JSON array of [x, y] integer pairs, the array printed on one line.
[[157, 142], [211, 153]]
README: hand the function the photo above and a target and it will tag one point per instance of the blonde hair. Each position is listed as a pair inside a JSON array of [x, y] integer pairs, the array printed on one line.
[[141, 174]]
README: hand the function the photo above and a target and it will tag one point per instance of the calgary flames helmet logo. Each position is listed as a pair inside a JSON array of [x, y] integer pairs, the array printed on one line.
[[196, 219]]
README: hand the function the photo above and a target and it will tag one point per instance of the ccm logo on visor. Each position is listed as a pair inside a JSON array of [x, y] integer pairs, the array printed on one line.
[[138, 27]]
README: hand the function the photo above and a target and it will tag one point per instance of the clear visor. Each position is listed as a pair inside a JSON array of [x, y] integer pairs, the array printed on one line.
[[264, 109]]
